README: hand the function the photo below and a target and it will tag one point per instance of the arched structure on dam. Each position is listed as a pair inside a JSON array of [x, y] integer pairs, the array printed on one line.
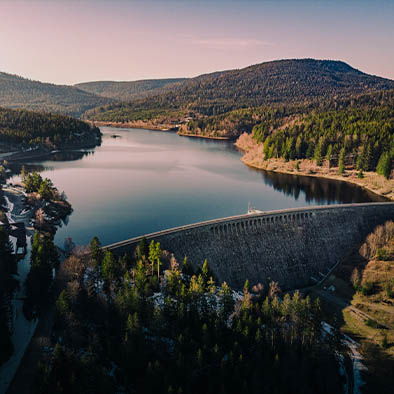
[[295, 247]]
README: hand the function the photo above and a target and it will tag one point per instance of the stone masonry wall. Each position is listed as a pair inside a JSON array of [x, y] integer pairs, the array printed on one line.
[[295, 247]]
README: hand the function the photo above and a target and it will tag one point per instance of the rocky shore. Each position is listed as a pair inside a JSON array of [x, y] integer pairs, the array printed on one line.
[[34, 212]]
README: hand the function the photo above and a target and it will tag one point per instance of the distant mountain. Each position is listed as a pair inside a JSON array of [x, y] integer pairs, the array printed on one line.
[[126, 91], [277, 82], [18, 92]]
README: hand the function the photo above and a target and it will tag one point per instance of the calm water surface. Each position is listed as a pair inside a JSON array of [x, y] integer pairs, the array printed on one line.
[[147, 181]]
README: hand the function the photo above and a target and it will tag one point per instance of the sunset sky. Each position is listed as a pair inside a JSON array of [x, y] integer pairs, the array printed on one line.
[[63, 41]]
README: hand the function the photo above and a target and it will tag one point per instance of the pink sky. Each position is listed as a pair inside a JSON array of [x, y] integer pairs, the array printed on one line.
[[74, 41]]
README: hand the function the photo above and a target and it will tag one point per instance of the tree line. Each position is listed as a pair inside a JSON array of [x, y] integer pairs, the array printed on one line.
[[44, 129], [363, 136], [18, 92], [147, 323]]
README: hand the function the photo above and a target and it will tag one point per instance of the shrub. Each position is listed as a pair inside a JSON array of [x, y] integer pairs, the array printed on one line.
[[371, 323], [389, 289], [382, 254], [367, 288], [385, 345], [377, 239], [355, 279]]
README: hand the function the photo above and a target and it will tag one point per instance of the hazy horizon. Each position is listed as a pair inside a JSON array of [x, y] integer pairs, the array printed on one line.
[[69, 42]]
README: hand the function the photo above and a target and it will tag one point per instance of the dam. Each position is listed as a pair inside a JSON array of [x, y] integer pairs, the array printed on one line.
[[294, 247]]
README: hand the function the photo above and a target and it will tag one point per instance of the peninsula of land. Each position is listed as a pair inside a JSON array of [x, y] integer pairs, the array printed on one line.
[[254, 157]]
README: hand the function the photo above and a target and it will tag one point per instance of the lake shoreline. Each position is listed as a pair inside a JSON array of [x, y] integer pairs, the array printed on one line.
[[41, 154], [135, 125], [203, 136], [253, 158]]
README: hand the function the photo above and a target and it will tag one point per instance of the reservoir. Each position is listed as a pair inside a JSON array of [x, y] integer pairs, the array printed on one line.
[[141, 181]]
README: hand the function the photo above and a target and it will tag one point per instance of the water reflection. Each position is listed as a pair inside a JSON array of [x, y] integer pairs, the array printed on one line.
[[35, 164], [71, 155], [147, 181], [319, 190]]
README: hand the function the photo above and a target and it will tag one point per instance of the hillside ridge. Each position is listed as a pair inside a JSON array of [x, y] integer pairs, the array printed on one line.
[[128, 90], [286, 81], [17, 92]]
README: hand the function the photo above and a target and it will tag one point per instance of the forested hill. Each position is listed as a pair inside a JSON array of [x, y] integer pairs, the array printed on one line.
[[284, 81], [21, 129], [18, 92], [126, 91]]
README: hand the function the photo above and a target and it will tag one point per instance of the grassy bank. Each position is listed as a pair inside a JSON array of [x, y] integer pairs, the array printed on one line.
[[254, 157], [361, 292]]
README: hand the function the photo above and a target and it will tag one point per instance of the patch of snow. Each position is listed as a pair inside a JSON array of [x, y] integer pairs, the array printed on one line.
[[14, 241], [10, 208], [355, 356], [342, 371], [10, 205], [212, 299]]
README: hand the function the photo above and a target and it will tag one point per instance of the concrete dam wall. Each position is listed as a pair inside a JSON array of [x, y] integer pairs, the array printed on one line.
[[295, 247]]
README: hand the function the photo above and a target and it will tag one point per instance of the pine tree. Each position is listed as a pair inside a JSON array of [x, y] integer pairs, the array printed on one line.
[[211, 285], [96, 252], [341, 161], [227, 302], [318, 154], [329, 155], [384, 165], [142, 249], [364, 158], [43, 259], [205, 271], [187, 269], [267, 152], [299, 147], [62, 303], [154, 256], [108, 267]]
